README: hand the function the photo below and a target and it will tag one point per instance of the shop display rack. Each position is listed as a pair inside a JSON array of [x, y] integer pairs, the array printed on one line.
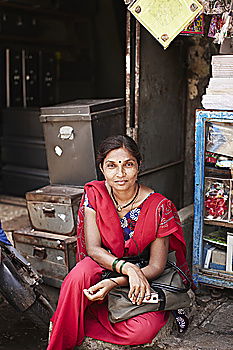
[[213, 199]]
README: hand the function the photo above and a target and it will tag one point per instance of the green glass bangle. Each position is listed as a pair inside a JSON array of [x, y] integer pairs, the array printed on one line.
[[121, 267], [114, 264]]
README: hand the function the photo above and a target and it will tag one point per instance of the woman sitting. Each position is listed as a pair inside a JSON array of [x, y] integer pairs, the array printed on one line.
[[118, 217]]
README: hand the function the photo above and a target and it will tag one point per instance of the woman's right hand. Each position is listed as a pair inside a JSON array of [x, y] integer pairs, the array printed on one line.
[[138, 283], [99, 290]]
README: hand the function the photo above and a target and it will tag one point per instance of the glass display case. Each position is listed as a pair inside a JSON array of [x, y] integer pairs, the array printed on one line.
[[213, 199]]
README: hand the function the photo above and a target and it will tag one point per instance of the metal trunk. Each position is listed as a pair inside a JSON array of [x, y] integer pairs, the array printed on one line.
[[52, 255], [54, 208], [73, 132]]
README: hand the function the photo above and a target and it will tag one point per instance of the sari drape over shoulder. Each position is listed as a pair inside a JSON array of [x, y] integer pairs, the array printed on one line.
[[77, 317], [158, 218]]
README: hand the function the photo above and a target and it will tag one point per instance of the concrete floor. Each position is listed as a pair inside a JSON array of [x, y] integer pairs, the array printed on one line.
[[211, 325], [18, 332]]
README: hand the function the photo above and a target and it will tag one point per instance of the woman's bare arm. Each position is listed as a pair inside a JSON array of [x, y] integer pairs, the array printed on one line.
[[157, 262], [137, 278], [101, 256], [93, 245], [93, 241], [158, 258]]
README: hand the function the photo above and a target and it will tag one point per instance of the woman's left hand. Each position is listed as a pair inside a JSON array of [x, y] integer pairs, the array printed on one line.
[[99, 290], [139, 287]]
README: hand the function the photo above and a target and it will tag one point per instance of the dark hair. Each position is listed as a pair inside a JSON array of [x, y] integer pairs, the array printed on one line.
[[115, 142]]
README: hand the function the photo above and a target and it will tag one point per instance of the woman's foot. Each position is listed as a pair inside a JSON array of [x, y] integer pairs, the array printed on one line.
[[182, 320]]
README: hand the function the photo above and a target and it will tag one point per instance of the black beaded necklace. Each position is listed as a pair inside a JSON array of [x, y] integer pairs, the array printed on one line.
[[120, 207]]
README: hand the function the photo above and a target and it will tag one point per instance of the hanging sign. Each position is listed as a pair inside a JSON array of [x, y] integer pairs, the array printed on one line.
[[165, 19]]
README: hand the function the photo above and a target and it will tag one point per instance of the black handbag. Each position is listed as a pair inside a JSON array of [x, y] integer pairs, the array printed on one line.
[[172, 292]]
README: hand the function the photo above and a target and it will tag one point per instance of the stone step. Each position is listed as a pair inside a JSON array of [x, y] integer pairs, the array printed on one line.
[[93, 344]]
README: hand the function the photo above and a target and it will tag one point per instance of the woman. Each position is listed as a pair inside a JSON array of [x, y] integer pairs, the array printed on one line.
[[117, 217]]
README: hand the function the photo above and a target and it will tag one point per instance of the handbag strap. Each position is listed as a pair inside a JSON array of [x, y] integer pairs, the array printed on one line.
[[173, 289], [142, 261]]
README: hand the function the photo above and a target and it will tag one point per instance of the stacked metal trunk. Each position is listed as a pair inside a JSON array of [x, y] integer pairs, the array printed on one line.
[[50, 243], [72, 134]]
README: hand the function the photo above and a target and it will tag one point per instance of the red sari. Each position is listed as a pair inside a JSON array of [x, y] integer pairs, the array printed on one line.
[[76, 316]]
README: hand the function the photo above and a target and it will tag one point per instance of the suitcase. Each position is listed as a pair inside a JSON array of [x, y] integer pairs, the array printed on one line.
[[54, 208], [24, 152], [22, 123], [17, 180], [52, 255]]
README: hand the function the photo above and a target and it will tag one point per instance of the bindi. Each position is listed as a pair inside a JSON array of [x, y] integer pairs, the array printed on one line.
[[119, 161]]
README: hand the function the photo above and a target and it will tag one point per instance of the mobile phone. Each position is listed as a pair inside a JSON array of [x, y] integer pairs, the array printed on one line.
[[153, 299]]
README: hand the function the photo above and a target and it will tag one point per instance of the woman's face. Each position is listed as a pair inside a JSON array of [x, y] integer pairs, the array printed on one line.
[[120, 169]]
